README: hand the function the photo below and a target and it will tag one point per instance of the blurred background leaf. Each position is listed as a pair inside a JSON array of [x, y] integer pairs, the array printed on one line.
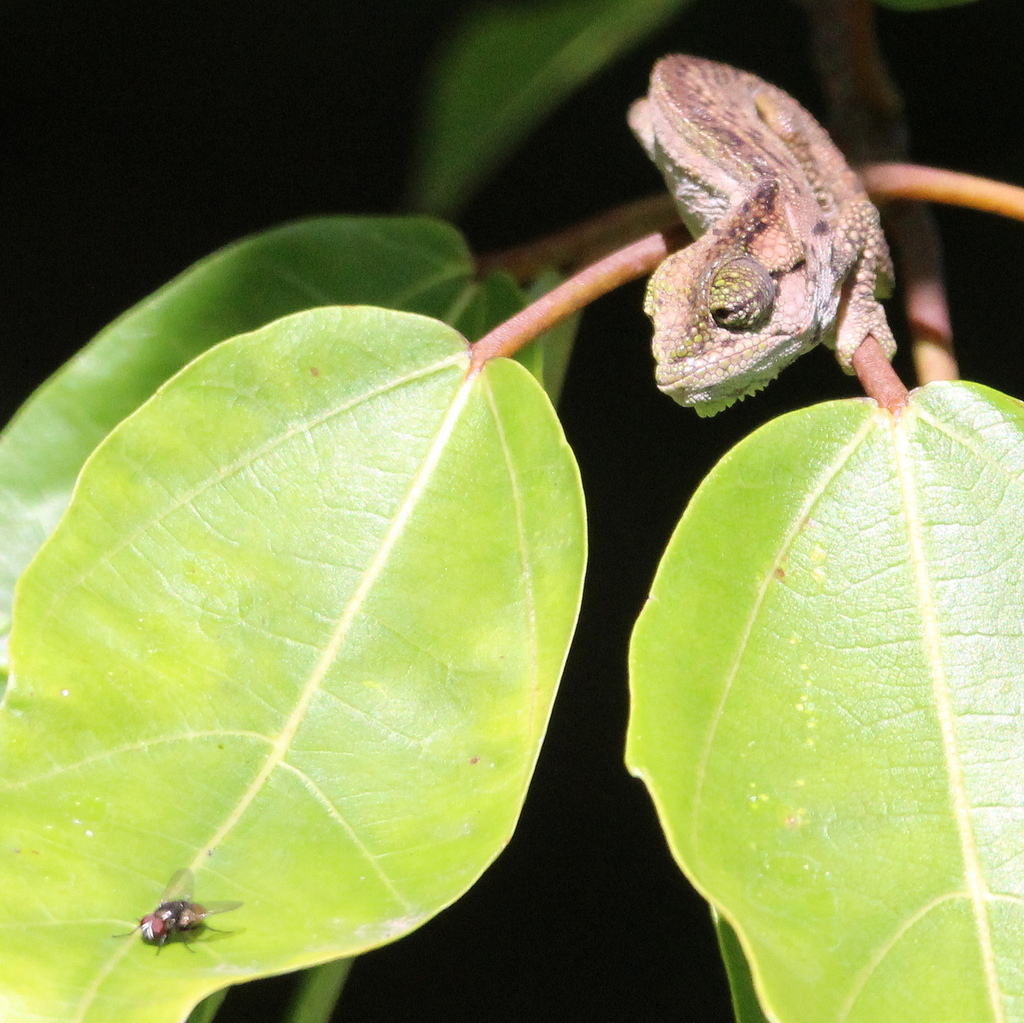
[[504, 70]]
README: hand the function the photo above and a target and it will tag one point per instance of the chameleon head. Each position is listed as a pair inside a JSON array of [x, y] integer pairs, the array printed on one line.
[[723, 328], [789, 250]]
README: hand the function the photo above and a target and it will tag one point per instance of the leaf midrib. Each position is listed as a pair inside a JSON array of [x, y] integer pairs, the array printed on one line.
[[932, 637], [282, 743]]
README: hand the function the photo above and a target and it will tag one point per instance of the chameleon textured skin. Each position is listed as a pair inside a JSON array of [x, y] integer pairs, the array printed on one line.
[[789, 249]]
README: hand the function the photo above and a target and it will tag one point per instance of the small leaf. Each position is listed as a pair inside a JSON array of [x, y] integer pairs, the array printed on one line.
[[415, 264], [547, 358], [745, 1005], [827, 707], [319, 989], [507, 68], [206, 1010], [299, 631]]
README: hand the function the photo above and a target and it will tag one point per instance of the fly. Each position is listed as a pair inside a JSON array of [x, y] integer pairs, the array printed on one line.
[[178, 914]]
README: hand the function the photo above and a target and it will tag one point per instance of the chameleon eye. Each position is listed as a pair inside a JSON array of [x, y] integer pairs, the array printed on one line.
[[741, 294]]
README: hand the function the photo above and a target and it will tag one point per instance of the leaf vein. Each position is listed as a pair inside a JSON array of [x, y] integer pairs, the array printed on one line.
[[315, 683], [812, 498], [219, 474]]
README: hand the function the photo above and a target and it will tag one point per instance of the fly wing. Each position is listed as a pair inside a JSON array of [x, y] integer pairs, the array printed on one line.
[[219, 907], [181, 886]]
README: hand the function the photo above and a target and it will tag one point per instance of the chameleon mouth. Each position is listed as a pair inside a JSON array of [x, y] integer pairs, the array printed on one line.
[[718, 371], [671, 374], [700, 371]]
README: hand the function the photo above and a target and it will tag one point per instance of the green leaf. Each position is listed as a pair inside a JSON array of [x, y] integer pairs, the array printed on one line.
[[415, 264], [547, 358], [299, 631], [827, 707], [495, 299], [506, 69]]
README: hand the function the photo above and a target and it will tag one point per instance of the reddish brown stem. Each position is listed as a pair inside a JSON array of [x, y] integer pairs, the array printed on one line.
[[572, 295], [866, 110], [866, 120], [877, 377], [929, 319], [915, 236], [585, 242], [930, 184], [887, 182]]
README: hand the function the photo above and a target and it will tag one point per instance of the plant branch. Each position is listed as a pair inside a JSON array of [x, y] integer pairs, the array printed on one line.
[[930, 184], [889, 182], [866, 120], [892, 183], [915, 236], [586, 242], [900, 186], [570, 296], [886, 182]]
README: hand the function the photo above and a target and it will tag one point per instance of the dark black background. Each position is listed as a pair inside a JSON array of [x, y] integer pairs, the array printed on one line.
[[140, 136]]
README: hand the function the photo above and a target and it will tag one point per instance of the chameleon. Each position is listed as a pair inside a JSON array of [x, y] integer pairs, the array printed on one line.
[[789, 251]]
